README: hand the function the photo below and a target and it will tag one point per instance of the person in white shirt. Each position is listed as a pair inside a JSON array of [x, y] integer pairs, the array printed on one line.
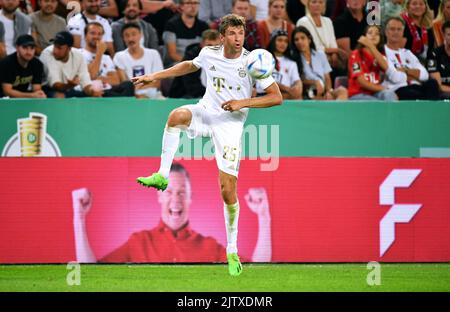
[[101, 67], [410, 81], [66, 71], [286, 71], [137, 61], [322, 31], [78, 22]]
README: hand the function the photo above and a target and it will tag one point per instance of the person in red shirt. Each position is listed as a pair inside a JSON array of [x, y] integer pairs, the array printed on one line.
[[366, 66], [172, 240]]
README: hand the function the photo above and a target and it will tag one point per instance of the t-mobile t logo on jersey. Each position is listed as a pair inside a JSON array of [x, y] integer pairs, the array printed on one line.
[[399, 213]]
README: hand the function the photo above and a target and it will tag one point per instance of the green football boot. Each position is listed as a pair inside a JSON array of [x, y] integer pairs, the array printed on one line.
[[234, 264], [156, 180]]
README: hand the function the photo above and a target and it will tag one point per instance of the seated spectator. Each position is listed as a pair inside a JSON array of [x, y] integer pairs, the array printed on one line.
[[108, 9], [182, 30], [295, 10], [286, 72], [67, 72], [438, 64], [410, 80], [436, 36], [78, 22], [366, 67], [45, 24], [2, 41], [275, 21], [158, 13], [316, 77], [390, 8], [132, 11], [21, 73], [322, 30], [259, 9], [137, 61], [15, 24], [194, 85], [100, 66], [242, 8], [418, 17], [210, 10], [350, 25]]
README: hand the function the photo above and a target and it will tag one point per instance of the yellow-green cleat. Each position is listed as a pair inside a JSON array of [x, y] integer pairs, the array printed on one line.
[[156, 180], [234, 264]]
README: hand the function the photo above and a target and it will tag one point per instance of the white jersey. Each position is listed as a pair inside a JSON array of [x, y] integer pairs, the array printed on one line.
[[226, 79]]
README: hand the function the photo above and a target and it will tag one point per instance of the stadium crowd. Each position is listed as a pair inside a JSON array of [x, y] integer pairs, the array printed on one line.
[[324, 49]]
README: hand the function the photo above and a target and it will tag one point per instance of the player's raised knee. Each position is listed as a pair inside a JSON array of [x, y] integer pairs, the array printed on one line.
[[179, 117]]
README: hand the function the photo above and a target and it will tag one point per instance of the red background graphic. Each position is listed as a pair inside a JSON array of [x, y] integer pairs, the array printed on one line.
[[322, 209]]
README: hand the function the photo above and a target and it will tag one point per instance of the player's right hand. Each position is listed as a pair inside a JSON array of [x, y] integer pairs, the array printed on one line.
[[81, 201], [142, 81]]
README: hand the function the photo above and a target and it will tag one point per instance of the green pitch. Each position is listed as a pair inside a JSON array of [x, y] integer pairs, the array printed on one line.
[[256, 277]]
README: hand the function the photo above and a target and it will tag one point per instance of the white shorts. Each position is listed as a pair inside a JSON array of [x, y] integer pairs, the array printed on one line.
[[225, 129]]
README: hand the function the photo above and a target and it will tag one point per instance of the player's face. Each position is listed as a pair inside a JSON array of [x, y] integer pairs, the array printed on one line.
[[131, 37], [276, 10], [234, 38], [175, 201], [302, 42], [94, 35], [373, 34], [281, 44], [242, 8], [26, 53], [316, 7], [417, 8]]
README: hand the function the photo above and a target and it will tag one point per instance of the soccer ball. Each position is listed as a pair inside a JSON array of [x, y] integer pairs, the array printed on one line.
[[260, 63]]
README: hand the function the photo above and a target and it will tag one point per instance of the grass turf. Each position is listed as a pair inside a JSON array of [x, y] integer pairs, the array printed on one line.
[[256, 277]]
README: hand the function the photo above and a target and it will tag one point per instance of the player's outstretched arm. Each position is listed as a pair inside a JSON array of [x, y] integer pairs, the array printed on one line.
[[180, 69], [82, 202], [271, 98]]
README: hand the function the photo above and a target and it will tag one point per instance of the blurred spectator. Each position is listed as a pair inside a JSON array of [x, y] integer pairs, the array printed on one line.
[[436, 36], [210, 10], [390, 8], [316, 77], [286, 72], [100, 66], [137, 61], [108, 9], [295, 10], [2, 41], [350, 25], [28, 6], [275, 21], [366, 67], [242, 8], [410, 80], [338, 8], [132, 11], [67, 72], [45, 24], [158, 13], [194, 85], [259, 9], [21, 73], [438, 64], [434, 6], [182, 30], [15, 23], [418, 17], [322, 30], [89, 14]]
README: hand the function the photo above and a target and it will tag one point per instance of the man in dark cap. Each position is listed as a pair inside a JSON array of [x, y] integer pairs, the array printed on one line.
[[67, 71], [21, 73]]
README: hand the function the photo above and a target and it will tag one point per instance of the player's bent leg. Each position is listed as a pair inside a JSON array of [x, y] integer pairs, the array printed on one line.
[[178, 119], [228, 186]]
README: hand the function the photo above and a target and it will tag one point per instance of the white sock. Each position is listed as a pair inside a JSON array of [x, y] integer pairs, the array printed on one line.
[[170, 142], [231, 213]]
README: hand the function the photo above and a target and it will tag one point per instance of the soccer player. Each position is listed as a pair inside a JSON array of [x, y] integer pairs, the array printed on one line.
[[220, 114]]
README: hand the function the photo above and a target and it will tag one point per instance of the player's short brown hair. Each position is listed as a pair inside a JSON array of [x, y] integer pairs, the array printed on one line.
[[231, 20]]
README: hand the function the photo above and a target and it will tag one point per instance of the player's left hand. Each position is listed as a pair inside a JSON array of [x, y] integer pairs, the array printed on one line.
[[257, 201], [232, 105]]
